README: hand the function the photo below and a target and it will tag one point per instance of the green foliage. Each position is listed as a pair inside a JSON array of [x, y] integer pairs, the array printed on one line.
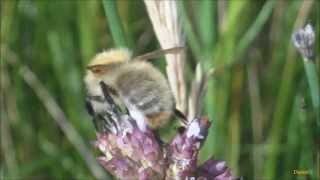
[[263, 102]]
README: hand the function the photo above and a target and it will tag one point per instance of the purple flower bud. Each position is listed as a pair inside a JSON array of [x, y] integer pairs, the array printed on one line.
[[304, 40], [184, 149], [215, 169], [131, 153], [121, 168]]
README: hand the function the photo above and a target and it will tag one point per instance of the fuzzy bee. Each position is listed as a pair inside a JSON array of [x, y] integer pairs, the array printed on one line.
[[132, 82]]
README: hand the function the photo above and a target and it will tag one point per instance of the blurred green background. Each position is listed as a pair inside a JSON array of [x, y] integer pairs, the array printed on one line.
[[264, 119]]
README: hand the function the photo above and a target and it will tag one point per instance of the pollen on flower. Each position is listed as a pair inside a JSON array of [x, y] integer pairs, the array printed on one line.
[[194, 130], [185, 163], [221, 165], [145, 163], [108, 155]]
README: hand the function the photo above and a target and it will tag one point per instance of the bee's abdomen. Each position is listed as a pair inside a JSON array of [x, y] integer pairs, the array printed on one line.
[[149, 102], [149, 92], [153, 105]]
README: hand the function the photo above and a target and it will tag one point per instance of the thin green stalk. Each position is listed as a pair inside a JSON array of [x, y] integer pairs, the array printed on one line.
[[9, 167], [221, 86], [307, 150], [190, 34], [7, 10], [87, 31], [223, 55], [313, 81], [295, 126], [255, 28], [114, 22], [206, 16], [285, 98]]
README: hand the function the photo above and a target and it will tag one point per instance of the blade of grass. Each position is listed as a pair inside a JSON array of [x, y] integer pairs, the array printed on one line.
[[221, 86], [308, 149], [293, 140], [244, 43], [8, 116], [255, 28], [190, 33], [206, 24], [284, 99], [58, 116], [62, 121], [223, 54], [313, 81], [235, 104], [237, 54], [8, 109], [67, 74], [257, 118], [114, 22], [87, 28], [235, 124], [7, 10], [206, 15], [207, 29]]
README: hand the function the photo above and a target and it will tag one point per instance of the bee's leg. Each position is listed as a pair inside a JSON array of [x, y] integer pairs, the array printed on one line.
[[181, 129], [106, 124], [91, 112], [103, 121], [181, 116], [115, 110], [108, 119], [96, 126], [105, 90], [89, 107]]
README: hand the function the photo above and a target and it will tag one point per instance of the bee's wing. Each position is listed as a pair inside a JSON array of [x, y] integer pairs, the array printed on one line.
[[157, 53]]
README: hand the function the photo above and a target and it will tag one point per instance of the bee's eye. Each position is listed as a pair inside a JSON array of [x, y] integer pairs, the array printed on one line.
[[96, 70]]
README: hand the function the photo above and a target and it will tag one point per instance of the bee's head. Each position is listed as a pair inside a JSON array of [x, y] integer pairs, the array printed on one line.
[[108, 60], [103, 66]]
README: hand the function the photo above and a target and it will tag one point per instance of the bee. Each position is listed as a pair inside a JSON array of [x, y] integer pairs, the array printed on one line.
[[132, 82]]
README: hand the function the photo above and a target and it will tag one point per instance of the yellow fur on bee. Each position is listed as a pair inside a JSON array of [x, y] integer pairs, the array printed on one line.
[[111, 56]]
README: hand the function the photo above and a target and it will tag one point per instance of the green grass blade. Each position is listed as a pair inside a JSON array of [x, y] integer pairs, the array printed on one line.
[[284, 102], [115, 25], [313, 81], [87, 29], [255, 28], [206, 16], [187, 27], [207, 32]]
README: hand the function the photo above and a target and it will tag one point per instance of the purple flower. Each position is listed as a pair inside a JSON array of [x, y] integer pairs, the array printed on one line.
[[130, 151], [135, 154]]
